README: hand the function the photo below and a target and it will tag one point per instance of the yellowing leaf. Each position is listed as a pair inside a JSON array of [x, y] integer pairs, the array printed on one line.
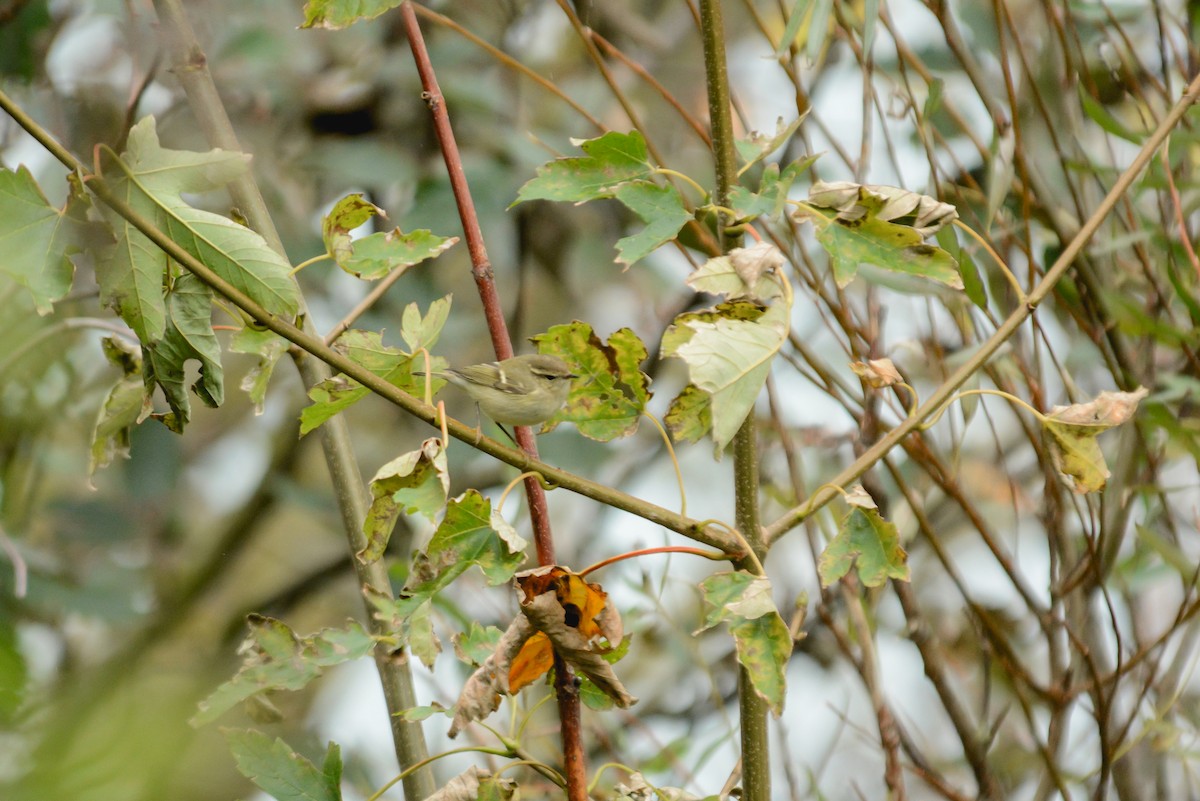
[[878, 373], [572, 618], [1072, 432], [868, 543], [534, 661], [607, 400]]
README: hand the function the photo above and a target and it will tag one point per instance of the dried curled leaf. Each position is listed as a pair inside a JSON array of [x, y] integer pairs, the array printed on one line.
[[878, 373], [475, 784], [1072, 432], [927, 214]]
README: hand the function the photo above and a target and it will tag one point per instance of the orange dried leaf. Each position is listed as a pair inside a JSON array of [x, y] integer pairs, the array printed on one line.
[[534, 661]]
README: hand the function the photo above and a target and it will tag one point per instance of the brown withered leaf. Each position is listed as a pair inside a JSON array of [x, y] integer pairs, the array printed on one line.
[[878, 373], [474, 783], [548, 616], [574, 619], [480, 696]]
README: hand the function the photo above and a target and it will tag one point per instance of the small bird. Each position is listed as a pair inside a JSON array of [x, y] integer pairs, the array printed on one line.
[[521, 391]]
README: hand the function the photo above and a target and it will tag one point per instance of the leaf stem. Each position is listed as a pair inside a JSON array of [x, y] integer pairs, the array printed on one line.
[[674, 462], [715, 556], [315, 259], [932, 421], [983, 243], [687, 179], [404, 774]]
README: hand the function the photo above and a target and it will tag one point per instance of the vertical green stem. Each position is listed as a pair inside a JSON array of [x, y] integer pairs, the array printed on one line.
[[756, 762]]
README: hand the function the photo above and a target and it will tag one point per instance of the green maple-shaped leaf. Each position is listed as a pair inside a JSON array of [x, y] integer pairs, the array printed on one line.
[[379, 254], [607, 400], [663, 211], [859, 232], [151, 179], [422, 331], [274, 658], [365, 348], [37, 239], [869, 543], [415, 482], [281, 772], [188, 335], [610, 159], [471, 534], [764, 643], [1072, 431]]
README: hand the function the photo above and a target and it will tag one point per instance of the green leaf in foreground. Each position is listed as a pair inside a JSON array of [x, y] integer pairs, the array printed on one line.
[[276, 659], [1072, 432], [663, 211], [188, 335], [379, 254], [764, 643], [610, 159], [869, 543], [37, 239], [152, 179], [611, 392], [281, 772], [417, 481]]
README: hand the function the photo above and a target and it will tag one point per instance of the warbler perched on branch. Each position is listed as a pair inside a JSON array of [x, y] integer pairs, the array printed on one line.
[[521, 391]]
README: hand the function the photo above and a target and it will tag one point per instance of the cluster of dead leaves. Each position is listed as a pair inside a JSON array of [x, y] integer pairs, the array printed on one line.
[[560, 613]]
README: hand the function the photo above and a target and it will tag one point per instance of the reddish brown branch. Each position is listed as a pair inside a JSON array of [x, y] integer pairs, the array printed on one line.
[[485, 282]]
